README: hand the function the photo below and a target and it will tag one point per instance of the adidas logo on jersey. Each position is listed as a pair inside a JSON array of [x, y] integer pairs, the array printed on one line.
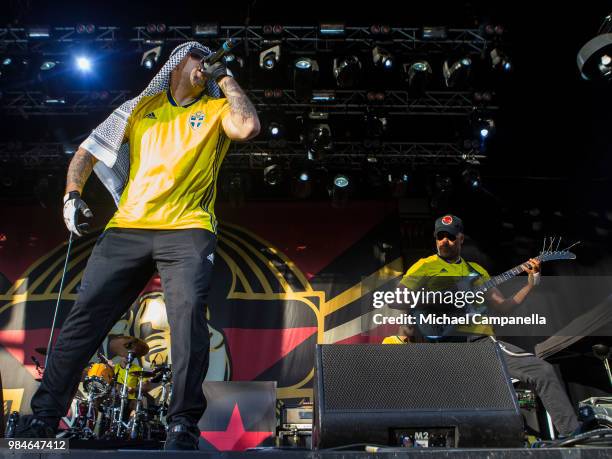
[[151, 116]]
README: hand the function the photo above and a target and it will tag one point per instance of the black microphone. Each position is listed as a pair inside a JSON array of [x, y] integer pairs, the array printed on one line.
[[226, 47]]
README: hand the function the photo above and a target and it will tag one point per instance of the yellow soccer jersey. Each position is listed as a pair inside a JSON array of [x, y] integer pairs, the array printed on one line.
[[394, 340], [175, 156], [434, 266]]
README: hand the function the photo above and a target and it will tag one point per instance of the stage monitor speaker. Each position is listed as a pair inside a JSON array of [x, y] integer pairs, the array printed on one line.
[[427, 395]]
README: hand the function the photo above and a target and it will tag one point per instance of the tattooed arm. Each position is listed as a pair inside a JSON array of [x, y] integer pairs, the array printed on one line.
[[79, 169], [242, 123]]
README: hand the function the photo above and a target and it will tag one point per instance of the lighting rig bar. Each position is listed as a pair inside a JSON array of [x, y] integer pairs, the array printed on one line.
[[253, 154], [300, 38], [343, 102]]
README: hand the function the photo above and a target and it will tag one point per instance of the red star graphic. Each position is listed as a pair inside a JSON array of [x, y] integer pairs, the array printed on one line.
[[234, 438]]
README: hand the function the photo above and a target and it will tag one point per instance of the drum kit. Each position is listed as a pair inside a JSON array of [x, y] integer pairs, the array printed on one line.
[[106, 411]]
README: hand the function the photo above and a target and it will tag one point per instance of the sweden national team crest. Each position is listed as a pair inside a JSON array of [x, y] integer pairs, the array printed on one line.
[[196, 120]]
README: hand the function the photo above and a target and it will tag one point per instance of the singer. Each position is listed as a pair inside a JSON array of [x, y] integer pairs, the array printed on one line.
[[159, 154]]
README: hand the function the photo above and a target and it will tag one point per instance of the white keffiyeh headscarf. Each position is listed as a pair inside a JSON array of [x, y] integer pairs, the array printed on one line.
[[105, 141]]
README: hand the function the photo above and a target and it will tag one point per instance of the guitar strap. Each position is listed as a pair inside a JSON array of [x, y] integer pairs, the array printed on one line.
[[471, 269]]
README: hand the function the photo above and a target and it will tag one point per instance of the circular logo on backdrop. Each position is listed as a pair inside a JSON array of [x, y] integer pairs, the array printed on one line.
[[447, 220]]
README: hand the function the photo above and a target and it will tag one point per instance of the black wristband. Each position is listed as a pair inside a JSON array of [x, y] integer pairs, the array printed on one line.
[[73, 195]]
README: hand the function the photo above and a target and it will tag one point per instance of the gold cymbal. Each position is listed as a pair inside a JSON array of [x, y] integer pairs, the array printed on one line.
[[122, 345]]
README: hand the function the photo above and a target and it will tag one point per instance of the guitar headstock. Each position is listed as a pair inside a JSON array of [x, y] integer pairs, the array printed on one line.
[[551, 252]]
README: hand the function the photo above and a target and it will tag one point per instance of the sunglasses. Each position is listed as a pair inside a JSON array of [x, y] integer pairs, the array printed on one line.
[[441, 235]]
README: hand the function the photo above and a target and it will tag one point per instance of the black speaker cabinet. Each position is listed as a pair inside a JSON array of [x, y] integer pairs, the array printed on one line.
[[430, 394]]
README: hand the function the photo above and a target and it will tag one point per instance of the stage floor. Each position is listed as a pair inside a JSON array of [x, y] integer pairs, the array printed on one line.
[[539, 453]]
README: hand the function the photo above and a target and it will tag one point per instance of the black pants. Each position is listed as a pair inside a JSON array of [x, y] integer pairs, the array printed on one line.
[[121, 263], [541, 375]]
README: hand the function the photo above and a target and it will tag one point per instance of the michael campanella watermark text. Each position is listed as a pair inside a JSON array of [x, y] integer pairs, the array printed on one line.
[[467, 319]]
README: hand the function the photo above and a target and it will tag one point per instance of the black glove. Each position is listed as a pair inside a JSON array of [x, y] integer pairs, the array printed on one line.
[[73, 204], [214, 71]]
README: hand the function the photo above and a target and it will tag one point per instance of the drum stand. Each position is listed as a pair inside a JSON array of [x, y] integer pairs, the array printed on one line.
[[124, 394], [165, 397], [137, 428]]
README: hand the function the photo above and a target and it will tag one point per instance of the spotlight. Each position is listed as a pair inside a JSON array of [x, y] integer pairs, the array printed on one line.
[[375, 127], [150, 57], [302, 184], [417, 75], [47, 65], [331, 29], [7, 61], [500, 60], [39, 32], [382, 58], [471, 177], [485, 127], [272, 172], [205, 29], [341, 181], [458, 73], [319, 140], [83, 63], [595, 57], [398, 183], [346, 71], [305, 72], [274, 129], [340, 190], [269, 57]]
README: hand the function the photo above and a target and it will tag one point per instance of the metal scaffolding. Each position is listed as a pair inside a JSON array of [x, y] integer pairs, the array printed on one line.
[[343, 102]]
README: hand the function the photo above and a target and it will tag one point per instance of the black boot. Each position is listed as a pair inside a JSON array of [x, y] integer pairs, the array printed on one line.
[[34, 427], [182, 436]]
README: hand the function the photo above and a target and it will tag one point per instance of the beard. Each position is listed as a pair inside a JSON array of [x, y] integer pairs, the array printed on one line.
[[448, 252], [197, 79]]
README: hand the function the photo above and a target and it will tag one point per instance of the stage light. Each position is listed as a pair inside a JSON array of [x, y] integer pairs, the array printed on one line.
[[485, 127], [303, 63], [47, 65], [39, 32], [150, 57], [304, 177], [7, 61], [471, 177], [457, 73], [331, 29], [272, 172], [418, 75], [500, 60], [340, 190], [323, 96], [398, 183], [269, 58], [347, 71], [83, 63], [382, 58], [274, 129], [319, 140], [210, 29], [341, 181], [305, 71], [595, 58], [436, 32]]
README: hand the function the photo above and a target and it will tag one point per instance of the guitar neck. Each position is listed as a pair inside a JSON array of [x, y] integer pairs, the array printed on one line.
[[503, 277]]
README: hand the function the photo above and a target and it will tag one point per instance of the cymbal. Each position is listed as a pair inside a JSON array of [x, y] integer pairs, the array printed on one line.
[[41, 350], [143, 374], [121, 345]]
